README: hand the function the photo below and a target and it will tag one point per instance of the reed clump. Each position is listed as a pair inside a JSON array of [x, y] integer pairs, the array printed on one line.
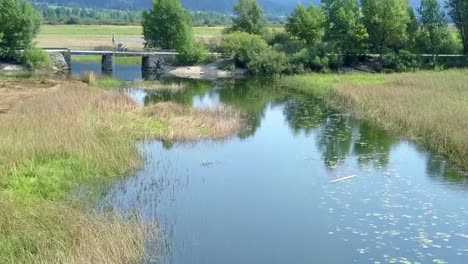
[[89, 78]]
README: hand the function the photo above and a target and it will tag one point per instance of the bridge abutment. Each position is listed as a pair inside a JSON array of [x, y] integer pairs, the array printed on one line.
[[107, 63], [150, 63]]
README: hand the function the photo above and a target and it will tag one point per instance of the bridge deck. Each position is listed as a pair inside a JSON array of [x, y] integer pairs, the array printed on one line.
[[117, 53]]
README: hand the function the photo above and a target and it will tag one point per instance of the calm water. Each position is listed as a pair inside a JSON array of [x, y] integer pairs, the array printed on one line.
[[265, 196]]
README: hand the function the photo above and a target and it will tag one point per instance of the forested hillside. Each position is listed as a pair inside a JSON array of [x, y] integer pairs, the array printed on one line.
[[225, 6]]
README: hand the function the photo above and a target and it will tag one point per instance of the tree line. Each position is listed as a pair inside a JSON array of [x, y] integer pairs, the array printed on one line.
[[328, 36], [89, 16]]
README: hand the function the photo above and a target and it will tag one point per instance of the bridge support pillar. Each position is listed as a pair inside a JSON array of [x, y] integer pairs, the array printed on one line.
[[107, 63], [149, 63]]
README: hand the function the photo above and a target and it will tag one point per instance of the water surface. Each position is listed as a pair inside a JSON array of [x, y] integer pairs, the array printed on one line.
[[265, 196]]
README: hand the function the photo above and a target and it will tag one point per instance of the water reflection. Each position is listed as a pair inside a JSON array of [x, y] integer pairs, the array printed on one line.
[[265, 197], [338, 135]]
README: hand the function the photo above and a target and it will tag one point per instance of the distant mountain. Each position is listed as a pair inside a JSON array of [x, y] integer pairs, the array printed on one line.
[[223, 6]]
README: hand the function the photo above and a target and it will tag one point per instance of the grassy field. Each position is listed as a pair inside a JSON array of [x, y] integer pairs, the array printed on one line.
[[85, 36], [58, 137], [428, 107]]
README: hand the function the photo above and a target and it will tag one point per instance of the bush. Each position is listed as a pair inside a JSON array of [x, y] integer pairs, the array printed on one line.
[[19, 24], [253, 53], [193, 54], [267, 62], [36, 59], [403, 61], [73, 21], [242, 46], [316, 60]]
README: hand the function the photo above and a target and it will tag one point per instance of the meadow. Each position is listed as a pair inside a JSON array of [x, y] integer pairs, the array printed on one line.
[[92, 36], [62, 143], [428, 107]]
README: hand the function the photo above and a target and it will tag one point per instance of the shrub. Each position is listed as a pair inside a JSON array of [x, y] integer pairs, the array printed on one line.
[[267, 62], [73, 21], [19, 25], [36, 59], [403, 61], [315, 59], [241, 46], [193, 54], [253, 53]]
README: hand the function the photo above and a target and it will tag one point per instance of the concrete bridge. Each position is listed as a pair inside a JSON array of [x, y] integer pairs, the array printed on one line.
[[150, 61]]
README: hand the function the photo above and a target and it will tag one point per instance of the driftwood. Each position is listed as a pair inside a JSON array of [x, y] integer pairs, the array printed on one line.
[[343, 179]]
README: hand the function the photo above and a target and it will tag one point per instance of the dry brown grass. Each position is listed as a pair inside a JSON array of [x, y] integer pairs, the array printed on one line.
[[11, 92], [429, 107], [194, 124], [89, 78], [60, 234], [60, 136]]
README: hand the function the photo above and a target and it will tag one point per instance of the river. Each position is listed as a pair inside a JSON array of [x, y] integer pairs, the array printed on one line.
[[267, 195]]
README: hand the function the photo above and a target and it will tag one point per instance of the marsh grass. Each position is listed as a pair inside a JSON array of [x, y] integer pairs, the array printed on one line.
[[428, 107], [68, 136], [47, 233]]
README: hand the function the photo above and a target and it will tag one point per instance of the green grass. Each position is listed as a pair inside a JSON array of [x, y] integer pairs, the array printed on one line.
[[95, 30], [122, 61], [89, 30], [428, 107]]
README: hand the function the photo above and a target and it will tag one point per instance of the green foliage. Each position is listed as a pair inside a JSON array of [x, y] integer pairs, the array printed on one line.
[[387, 23], [458, 10], [253, 53], [267, 62], [36, 59], [195, 53], [166, 25], [249, 18], [345, 28], [403, 61], [434, 28], [316, 59], [19, 24], [412, 29], [307, 24]]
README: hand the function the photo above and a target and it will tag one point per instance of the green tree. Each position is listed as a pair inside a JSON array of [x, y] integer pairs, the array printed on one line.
[[344, 25], [249, 18], [458, 10], [166, 25], [307, 24], [434, 28], [412, 29], [253, 53], [387, 23], [19, 24]]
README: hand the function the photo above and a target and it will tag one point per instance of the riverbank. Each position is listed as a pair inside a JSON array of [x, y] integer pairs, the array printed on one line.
[[428, 107], [61, 144]]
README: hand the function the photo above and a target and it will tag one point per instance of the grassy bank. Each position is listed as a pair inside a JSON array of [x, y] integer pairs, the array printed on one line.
[[428, 107], [64, 137]]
